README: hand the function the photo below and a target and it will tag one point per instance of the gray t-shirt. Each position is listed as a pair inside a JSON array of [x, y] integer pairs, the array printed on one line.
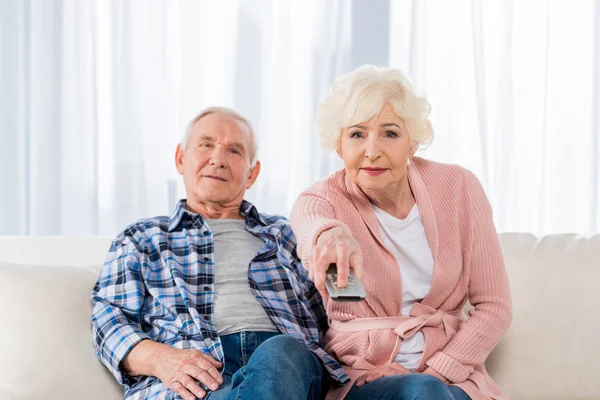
[[236, 308]]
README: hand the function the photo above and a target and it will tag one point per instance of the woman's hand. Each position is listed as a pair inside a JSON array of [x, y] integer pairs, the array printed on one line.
[[392, 368], [335, 245], [432, 372]]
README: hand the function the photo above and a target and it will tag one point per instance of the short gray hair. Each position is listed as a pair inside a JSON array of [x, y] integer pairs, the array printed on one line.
[[232, 113], [361, 94]]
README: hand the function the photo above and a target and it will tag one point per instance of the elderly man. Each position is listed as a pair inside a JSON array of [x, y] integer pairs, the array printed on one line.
[[212, 302]]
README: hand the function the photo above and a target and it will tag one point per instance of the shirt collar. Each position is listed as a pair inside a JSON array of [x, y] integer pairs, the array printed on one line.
[[247, 209]]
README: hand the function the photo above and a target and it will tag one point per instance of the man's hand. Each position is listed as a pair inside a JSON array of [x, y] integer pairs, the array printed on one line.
[[177, 369], [392, 368], [335, 245]]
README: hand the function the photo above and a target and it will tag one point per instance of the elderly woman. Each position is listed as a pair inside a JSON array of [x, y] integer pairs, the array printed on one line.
[[419, 235]]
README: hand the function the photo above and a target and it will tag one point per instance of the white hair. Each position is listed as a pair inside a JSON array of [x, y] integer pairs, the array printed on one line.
[[222, 110], [361, 94]]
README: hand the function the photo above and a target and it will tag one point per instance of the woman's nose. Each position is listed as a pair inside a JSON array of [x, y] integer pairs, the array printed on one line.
[[373, 148]]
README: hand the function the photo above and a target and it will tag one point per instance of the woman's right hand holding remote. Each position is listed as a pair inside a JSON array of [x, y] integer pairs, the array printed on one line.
[[335, 246]]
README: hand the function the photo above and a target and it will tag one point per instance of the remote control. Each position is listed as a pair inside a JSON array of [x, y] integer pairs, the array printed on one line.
[[353, 292]]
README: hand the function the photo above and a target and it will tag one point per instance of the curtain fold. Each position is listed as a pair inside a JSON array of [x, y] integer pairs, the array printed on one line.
[[95, 95], [515, 98]]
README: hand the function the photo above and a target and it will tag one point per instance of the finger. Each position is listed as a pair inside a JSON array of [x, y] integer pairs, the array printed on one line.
[[207, 364], [203, 376], [363, 380], [356, 261], [212, 360], [320, 271], [178, 388], [343, 264], [320, 283], [311, 266], [192, 386], [372, 377]]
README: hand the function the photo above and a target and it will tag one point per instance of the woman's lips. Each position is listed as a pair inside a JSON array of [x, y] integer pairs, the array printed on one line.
[[374, 171]]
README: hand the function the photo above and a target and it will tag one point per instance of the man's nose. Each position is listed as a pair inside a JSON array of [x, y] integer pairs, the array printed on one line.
[[217, 157]]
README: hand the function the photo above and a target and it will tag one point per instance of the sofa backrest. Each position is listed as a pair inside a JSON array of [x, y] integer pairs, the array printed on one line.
[[549, 352]]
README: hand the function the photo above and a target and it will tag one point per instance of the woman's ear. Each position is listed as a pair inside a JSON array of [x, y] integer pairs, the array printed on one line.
[[413, 149], [338, 148]]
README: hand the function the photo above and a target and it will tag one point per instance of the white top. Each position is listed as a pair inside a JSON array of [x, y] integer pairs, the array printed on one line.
[[406, 240]]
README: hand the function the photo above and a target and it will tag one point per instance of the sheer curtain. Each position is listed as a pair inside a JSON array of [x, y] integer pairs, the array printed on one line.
[[96, 94], [515, 93]]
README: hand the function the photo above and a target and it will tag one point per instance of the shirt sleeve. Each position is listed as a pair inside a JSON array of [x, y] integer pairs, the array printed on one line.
[[117, 300], [312, 215]]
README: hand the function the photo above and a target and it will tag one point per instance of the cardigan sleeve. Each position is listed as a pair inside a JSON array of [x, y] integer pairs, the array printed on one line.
[[312, 215], [489, 293]]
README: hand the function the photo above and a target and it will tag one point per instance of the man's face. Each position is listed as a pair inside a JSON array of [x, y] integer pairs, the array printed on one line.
[[216, 162]]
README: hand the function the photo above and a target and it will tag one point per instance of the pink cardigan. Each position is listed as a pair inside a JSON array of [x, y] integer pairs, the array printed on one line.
[[468, 265]]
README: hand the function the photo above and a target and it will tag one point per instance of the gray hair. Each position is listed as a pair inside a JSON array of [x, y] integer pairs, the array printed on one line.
[[362, 93], [232, 113]]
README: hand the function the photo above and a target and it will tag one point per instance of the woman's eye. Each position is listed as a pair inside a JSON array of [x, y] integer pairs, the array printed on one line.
[[356, 135], [391, 134]]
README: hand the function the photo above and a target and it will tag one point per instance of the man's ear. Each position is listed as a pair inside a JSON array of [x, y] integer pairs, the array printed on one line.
[[179, 159], [253, 174]]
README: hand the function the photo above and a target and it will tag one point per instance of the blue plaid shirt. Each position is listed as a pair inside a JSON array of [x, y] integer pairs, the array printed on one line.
[[158, 283]]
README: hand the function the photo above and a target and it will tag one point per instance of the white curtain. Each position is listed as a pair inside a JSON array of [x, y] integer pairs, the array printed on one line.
[[515, 93], [96, 94]]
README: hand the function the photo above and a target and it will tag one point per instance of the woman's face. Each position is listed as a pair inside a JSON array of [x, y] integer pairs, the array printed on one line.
[[376, 152]]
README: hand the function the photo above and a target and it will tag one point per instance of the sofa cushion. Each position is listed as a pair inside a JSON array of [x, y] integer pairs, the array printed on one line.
[[552, 347], [45, 340]]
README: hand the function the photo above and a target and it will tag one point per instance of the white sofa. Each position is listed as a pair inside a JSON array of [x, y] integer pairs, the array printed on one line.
[[552, 350]]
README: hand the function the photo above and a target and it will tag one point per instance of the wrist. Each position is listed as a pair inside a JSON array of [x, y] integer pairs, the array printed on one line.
[[327, 234], [143, 358]]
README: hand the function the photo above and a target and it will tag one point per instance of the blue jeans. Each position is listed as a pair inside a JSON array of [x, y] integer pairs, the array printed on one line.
[[266, 365], [407, 387]]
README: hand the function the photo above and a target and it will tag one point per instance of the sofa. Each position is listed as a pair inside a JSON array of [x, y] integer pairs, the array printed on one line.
[[551, 351]]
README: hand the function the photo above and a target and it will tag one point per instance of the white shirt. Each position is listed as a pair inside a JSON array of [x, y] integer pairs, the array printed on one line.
[[406, 240]]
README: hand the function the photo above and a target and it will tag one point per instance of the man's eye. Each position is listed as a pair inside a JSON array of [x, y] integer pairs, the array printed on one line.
[[391, 134], [235, 151], [205, 144]]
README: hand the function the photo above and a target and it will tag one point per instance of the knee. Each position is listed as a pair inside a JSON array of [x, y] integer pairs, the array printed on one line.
[[429, 387], [284, 346], [287, 353]]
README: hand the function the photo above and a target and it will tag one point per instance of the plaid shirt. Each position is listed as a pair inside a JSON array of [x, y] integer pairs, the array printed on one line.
[[158, 283]]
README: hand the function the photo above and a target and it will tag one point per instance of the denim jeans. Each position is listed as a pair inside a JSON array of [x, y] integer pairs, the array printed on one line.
[[266, 365], [407, 387]]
